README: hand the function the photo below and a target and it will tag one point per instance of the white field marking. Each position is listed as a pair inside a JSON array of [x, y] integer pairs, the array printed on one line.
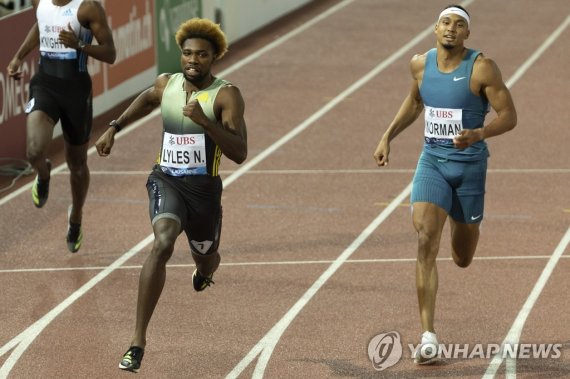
[[330, 105], [266, 345], [271, 172], [226, 72], [347, 171], [530, 61], [401, 171], [529, 171], [24, 339], [287, 36], [275, 263], [514, 333]]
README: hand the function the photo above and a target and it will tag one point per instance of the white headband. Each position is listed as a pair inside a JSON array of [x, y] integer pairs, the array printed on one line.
[[454, 10]]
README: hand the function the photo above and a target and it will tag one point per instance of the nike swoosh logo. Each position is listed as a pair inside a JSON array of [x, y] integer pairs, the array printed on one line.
[[455, 78], [475, 218]]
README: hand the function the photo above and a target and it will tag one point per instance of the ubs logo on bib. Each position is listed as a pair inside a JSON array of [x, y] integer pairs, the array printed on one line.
[[443, 113], [440, 113]]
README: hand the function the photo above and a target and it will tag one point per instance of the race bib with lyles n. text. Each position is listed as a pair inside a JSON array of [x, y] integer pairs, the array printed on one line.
[[442, 124], [183, 154]]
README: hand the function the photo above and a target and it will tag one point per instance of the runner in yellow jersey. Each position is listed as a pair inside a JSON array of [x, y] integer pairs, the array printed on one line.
[[203, 118]]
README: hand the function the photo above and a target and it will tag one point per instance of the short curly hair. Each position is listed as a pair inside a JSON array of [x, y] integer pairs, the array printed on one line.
[[206, 29]]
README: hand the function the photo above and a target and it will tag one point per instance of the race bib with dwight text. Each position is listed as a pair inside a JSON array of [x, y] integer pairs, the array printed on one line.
[[183, 154], [442, 124]]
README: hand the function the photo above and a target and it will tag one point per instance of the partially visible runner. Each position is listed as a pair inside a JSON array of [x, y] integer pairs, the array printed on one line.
[[203, 117], [455, 85], [61, 91]]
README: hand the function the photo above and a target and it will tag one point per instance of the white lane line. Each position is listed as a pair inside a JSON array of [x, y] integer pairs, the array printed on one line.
[[275, 263], [331, 104], [288, 36], [272, 172], [348, 171], [530, 61], [514, 333], [24, 339], [223, 73], [267, 344], [516, 330]]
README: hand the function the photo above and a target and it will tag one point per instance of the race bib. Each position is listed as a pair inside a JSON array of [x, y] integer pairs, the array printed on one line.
[[442, 124], [184, 154], [51, 48]]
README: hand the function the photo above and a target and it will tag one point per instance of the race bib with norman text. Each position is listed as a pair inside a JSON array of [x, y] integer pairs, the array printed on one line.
[[442, 124]]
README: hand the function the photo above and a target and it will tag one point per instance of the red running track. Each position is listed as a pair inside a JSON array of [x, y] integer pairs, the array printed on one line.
[[318, 250]]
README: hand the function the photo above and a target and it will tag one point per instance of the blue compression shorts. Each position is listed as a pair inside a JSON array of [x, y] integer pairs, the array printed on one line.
[[458, 187]]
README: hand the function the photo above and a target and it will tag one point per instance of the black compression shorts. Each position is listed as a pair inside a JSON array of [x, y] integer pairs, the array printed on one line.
[[194, 201], [67, 100]]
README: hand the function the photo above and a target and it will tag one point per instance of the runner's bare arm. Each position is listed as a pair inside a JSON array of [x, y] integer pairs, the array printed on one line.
[[143, 104], [92, 15], [231, 134], [499, 97], [487, 77], [409, 111], [31, 41]]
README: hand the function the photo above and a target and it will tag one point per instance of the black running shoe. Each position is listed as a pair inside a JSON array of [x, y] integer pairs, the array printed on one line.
[[40, 189], [132, 359], [74, 234], [201, 282], [74, 237]]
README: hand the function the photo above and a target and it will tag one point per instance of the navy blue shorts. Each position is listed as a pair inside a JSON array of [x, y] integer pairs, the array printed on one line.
[[194, 201], [67, 100], [458, 187]]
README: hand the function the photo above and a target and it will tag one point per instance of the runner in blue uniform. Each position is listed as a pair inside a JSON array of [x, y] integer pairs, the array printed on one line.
[[61, 91], [202, 118], [454, 87]]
